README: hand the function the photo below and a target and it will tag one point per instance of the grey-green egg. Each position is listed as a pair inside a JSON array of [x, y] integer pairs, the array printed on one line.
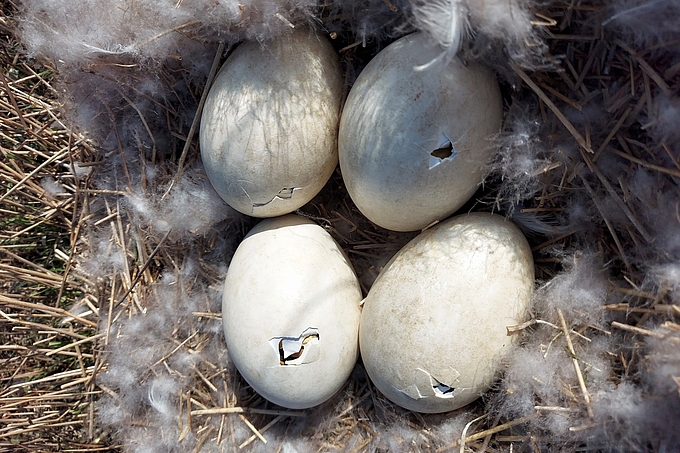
[[415, 142]]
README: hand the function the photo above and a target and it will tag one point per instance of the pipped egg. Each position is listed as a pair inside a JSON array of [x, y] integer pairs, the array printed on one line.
[[433, 329], [415, 138], [291, 309], [270, 124]]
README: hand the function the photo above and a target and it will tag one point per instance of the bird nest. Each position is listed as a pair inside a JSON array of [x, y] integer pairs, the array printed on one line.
[[114, 247]]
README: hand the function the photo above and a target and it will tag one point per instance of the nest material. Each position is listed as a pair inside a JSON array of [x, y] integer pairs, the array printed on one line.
[[93, 346]]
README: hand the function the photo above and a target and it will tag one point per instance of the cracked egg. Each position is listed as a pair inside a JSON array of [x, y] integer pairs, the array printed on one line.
[[291, 312], [414, 137], [270, 123], [433, 328]]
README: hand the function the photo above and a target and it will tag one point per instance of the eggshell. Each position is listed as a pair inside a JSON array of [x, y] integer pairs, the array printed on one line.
[[270, 124], [291, 312], [414, 143], [433, 328]]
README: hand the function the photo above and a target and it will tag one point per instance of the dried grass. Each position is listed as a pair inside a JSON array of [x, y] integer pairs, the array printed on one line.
[[50, 357]]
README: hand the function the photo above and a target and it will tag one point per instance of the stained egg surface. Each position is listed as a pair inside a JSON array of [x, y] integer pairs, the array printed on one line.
[[291, 310], [270, 124], [433, 327], [414, 142]]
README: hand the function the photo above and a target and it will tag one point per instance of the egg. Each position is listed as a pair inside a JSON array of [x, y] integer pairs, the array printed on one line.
[[291, 310], [433, 327], [414, 142], [270, 124]]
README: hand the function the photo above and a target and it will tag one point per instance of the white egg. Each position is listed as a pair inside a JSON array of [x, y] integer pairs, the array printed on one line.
[[433, 328], [270, 124], [291, 309], [413, 142]]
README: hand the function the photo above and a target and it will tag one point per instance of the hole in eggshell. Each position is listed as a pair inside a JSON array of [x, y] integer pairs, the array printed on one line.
[[297, 350], [424, 381], [443, 391], [284, 194], [443, 152]]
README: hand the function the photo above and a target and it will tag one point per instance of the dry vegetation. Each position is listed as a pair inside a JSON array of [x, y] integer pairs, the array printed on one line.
[[47, 354], [53, 337]]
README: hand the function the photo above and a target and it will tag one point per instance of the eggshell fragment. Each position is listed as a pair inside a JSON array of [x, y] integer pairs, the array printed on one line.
[[414, 143], [270, 123], [433, 328], [291, 312]]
